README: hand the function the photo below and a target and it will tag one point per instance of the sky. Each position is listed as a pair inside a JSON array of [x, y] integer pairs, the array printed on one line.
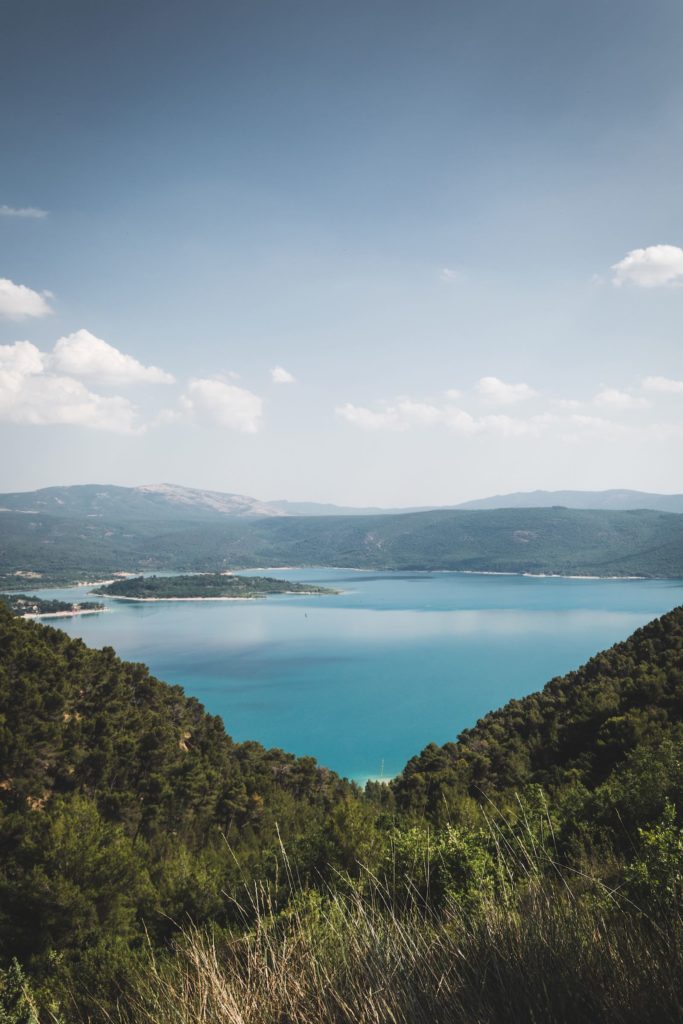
[[372, 252]]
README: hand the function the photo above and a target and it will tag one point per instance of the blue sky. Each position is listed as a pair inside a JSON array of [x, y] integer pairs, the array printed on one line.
[[457, 227]]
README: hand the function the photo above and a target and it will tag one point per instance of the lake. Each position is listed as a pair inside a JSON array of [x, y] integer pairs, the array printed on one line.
[[365, 679]]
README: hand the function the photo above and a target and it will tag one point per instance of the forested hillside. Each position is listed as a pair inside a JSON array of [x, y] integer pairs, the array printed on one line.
[[548, 540], [122, 800]]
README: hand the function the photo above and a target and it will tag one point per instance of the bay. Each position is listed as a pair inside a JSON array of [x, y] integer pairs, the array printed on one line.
[[363, 680]]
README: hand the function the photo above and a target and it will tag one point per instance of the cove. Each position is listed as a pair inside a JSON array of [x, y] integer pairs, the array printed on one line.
[[363, 680]]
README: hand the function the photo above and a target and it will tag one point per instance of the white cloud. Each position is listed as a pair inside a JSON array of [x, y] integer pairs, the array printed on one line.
[[497, 392], [29, 394], [663, 384], [448, 274], [22, 357], [402, 415], [166, 416], [368, 419], [224, 404], [652, 267], [28, 212], [614, 399], [281, 376], [17, 302], [418, 413], [460, 421], [664, 431], [510, 426], [598, 426], [454, 394], [43, 388], [84, 355], [406, 414], [607, 418]]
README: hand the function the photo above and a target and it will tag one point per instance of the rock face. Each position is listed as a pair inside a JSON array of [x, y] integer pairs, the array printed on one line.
[[150, 501], [192, 500]]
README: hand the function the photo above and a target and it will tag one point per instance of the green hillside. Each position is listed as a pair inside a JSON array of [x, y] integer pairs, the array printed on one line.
[[122, 800], [554, 540]]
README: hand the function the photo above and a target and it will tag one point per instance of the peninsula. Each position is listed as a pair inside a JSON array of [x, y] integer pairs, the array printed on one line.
[[204, 587], [31, 607]]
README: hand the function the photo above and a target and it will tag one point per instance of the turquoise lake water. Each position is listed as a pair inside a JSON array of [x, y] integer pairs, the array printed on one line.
[[364, 680]]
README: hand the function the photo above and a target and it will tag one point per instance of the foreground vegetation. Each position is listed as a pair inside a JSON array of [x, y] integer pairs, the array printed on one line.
[[205, 585], [152, 870], [533, 952]]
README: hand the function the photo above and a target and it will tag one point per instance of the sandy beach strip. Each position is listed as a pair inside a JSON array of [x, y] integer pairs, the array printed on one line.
[[62, 615]]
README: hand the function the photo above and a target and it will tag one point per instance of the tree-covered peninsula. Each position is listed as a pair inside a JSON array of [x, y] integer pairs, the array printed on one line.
[[31, 606], [204, 586]]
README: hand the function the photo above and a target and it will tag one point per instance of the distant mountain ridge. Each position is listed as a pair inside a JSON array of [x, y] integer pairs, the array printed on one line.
[[164, 500], [167, 500], [614, 500], [150, 501]]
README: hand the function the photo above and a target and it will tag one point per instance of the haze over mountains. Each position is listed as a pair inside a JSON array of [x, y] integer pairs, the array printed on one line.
[[615, 500], [163, 500]]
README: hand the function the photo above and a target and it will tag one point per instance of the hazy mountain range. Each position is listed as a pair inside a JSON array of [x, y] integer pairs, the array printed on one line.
[[90, 528], [160, 501], [616, 500]]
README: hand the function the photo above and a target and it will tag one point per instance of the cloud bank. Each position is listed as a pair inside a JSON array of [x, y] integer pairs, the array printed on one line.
[[31, 394], [609, 414], [406, 414], [43, 388]]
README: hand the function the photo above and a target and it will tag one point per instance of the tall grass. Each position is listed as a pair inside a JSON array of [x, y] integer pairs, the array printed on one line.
[[541, 950]]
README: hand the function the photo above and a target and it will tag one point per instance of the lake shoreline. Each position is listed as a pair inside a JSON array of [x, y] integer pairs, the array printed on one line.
[[246, 597], [38, 584], [459, 572], [62, 615]]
